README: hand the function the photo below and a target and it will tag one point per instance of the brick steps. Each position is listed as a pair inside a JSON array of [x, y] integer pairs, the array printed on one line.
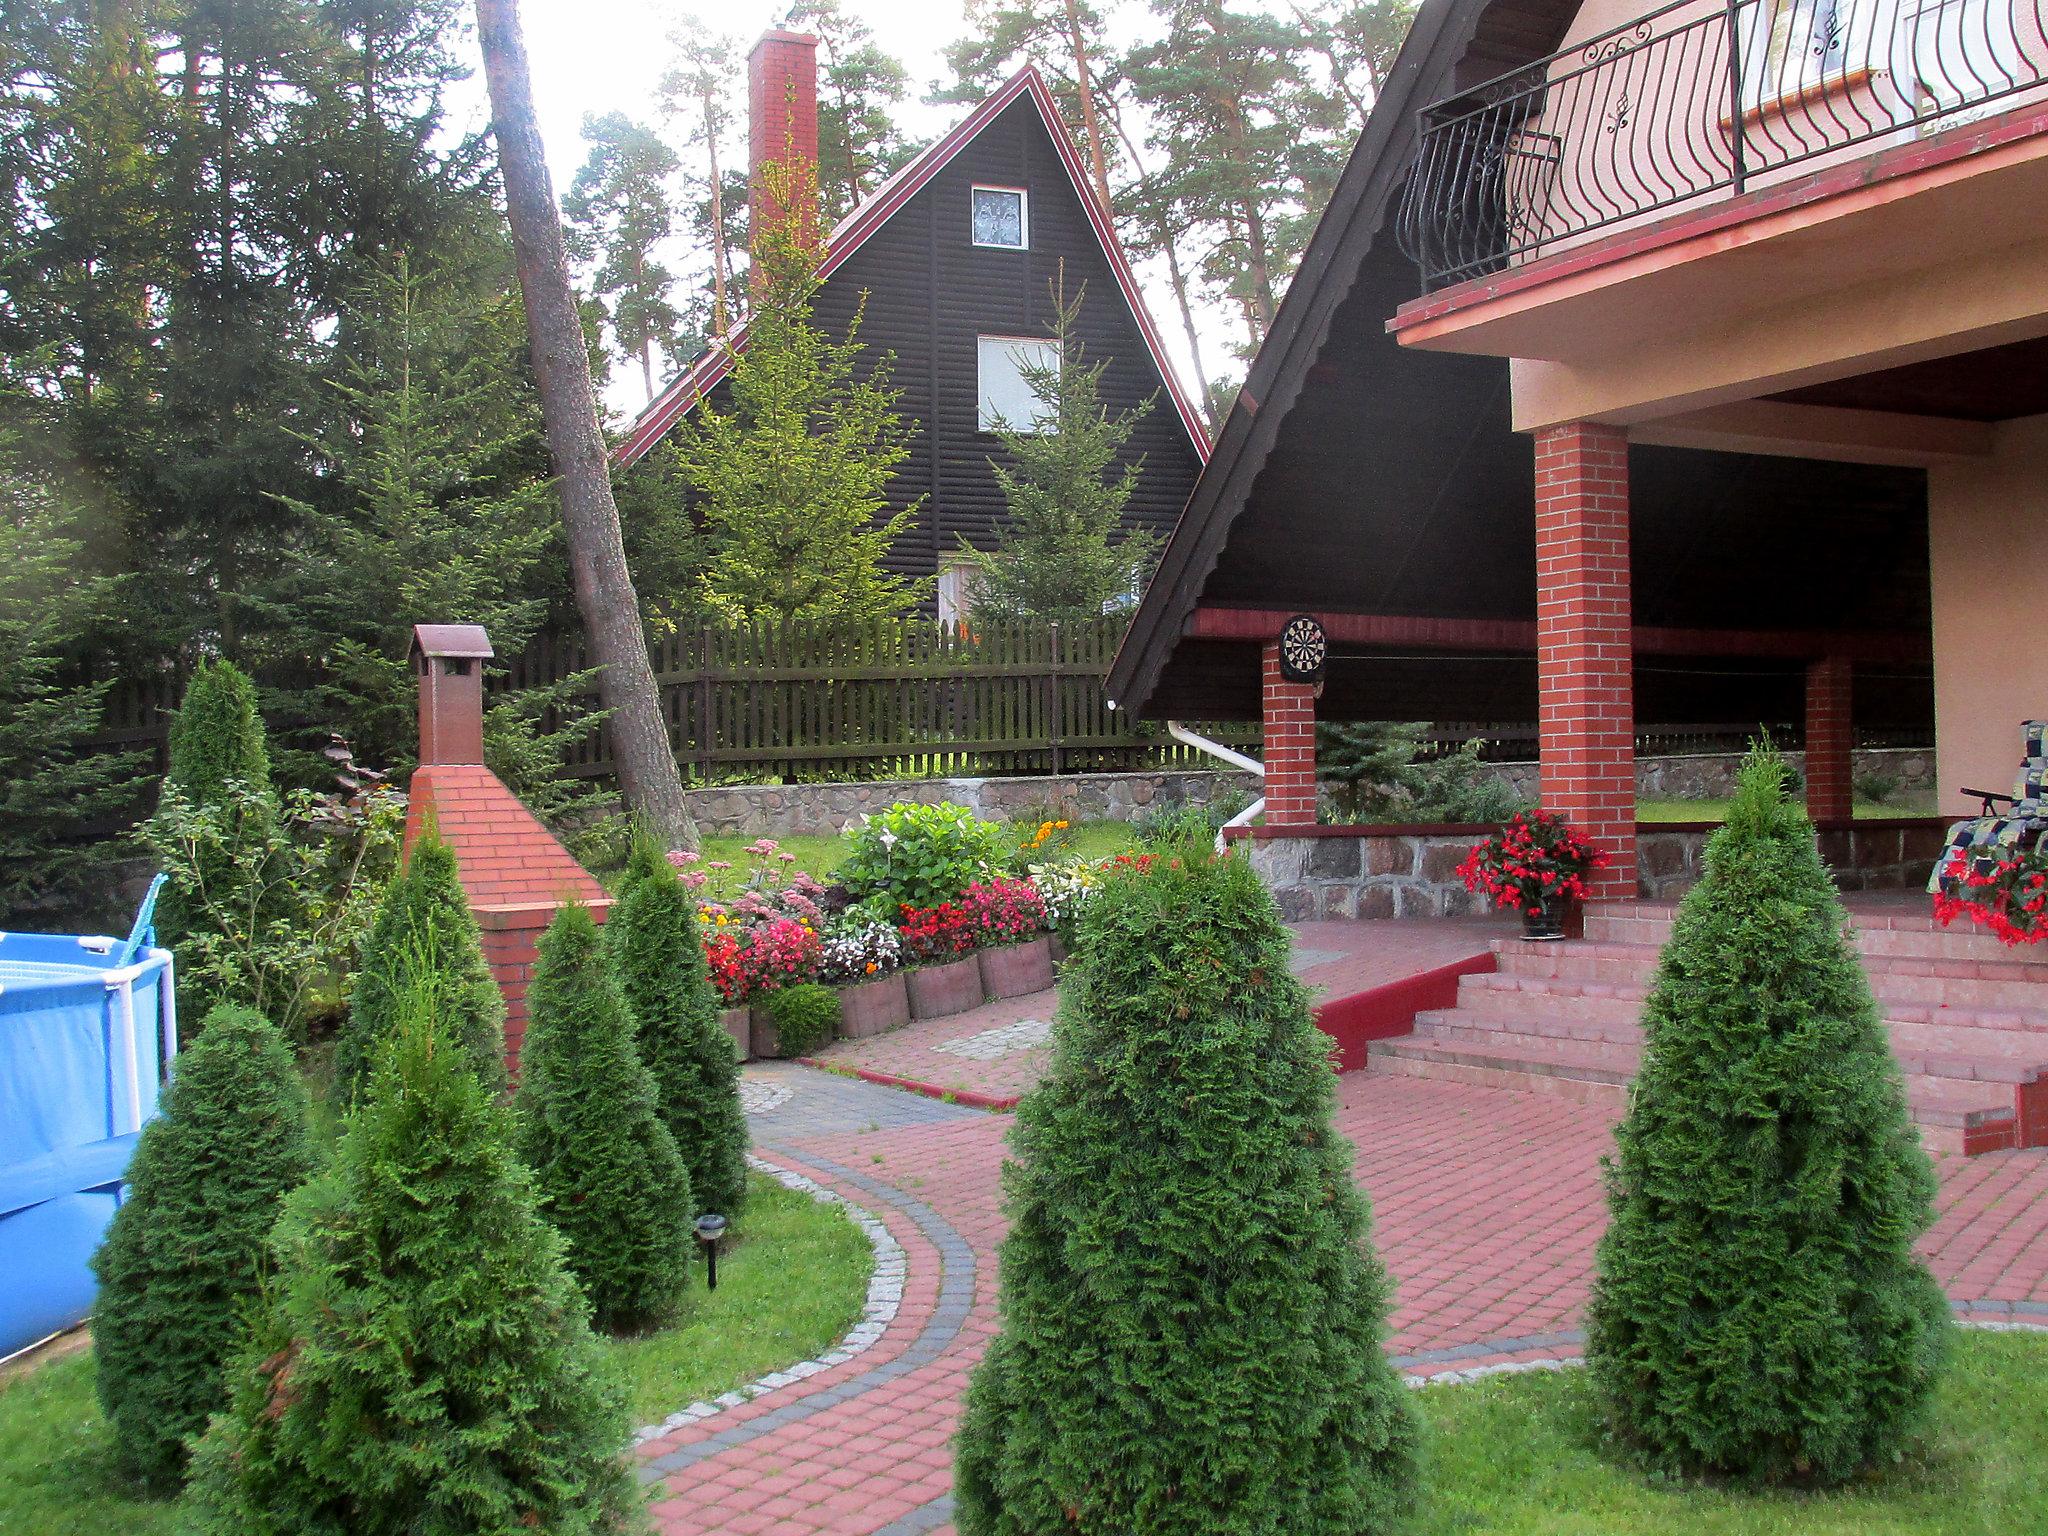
[[1968, 1022]]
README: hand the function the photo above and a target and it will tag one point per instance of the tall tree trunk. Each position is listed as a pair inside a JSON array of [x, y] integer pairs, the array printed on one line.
[[719, 263], [590, 518], [1160, 214], [1098, 162]]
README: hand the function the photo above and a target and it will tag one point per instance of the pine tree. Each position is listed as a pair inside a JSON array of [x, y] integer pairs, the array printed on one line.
[[606, 1168], [1064, 556], [1191, 1316], [423, 920], [1758, 1309], [184, 1254], [422, 1362], [697, 88], [793, 479], [619, 215], [860, 142], [658, 956]]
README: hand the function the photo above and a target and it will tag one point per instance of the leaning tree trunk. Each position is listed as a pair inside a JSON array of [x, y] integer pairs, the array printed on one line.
[[568, 405]]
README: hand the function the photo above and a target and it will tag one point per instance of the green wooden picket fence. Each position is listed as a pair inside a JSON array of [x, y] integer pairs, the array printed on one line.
[[888, 699]]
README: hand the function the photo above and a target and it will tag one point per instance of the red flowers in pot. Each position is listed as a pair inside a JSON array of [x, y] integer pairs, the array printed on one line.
[[1536, 865]]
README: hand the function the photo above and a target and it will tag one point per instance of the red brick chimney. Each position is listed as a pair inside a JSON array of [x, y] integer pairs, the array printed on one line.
[[782, 114], [514, 871]]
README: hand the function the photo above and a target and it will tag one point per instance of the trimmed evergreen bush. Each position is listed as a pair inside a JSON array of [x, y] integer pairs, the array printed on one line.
[[216, 740], [183, 1255], [1190, 1337], [658, 956], [805, 1017], [607, 1169], [423, 1362], [424, 918], [1758, 1310]]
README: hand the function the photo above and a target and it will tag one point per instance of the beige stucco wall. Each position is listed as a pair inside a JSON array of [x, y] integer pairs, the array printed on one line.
[[1987, 523]]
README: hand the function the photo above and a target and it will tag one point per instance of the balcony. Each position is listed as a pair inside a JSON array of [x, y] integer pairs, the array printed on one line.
[[1696, 102]]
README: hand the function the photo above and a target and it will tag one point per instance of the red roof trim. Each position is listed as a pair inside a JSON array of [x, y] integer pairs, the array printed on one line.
[[853, 231]]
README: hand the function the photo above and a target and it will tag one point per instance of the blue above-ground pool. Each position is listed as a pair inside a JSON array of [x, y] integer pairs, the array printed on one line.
[[88, 1027]]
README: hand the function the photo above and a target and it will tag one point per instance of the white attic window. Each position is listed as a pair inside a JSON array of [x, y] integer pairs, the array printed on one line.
[[1000, 218]]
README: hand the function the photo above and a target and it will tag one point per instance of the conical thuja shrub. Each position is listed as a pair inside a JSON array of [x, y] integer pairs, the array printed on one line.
[[184, 1254], [424, 919], [423, 1361], [1758, 1310], [1190, 1339], [658, 957], [217, 740], [608, 1172]]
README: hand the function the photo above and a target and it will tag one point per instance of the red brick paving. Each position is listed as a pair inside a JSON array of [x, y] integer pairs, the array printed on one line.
[[1487, 1205]]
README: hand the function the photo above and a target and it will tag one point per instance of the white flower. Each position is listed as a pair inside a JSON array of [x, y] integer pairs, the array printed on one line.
[[888, 838]]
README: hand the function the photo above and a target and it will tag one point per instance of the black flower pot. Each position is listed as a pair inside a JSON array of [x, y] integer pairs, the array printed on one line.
[[1544, 920]]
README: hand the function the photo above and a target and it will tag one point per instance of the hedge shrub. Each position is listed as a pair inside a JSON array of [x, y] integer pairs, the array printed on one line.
[[607, 1169], [423, 920], [919, 856], [423, 1362], [183, 1255], [805, 1017], [1758, 1310], [658, 957], [1191, 1314]]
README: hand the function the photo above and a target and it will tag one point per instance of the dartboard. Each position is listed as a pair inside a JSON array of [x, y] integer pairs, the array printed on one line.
[[1303, 649]]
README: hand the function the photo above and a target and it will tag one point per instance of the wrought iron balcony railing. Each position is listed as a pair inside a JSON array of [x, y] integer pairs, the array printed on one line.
[[1699, 97]]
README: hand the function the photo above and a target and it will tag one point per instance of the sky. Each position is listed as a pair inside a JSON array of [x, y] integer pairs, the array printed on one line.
[[596, 56]]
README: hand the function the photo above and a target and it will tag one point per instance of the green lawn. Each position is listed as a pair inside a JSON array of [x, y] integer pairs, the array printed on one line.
[[788, 1289], [1717, 810], [820, 855], [1521, 1456]]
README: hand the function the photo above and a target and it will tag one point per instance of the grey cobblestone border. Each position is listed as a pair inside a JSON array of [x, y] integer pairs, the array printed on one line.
[[957, 1270], [885, 1296]]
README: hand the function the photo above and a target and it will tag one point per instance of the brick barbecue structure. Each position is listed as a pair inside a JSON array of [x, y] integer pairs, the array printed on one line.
[[515, 872]]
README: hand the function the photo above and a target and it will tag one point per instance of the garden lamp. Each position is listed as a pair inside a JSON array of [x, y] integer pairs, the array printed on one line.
[[710, 1228]]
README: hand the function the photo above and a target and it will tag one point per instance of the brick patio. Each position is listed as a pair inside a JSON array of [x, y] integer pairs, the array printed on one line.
[[1487, 1207]]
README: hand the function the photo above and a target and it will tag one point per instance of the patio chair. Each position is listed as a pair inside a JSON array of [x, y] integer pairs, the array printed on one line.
[[2023, 823]]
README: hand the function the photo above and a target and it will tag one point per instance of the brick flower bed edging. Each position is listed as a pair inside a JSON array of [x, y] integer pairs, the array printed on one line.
[[885, 1296], [1000, 1103]]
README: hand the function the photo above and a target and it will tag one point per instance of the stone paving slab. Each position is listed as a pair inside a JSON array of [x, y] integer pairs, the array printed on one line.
[[1487, 1205]]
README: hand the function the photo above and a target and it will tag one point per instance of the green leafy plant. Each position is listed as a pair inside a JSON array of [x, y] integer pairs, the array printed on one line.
[[1191, 1311], [657, 953], [422, 1361], [919, 855], [805, 1017], [424, 918], [275, 894], [1873, 787], [183, 1255], [1758, 1310], [1379, 771], [590, 1127]]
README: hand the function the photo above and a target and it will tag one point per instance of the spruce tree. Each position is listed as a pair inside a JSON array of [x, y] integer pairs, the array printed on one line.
[[183, 1256], [424, 919], [1191, 1315], [1758, 1310], [606, 1168], [423, 1362], [658, 957]]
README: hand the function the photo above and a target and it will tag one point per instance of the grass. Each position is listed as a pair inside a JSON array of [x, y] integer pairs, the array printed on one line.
[[1521, 1456], [788, 1289], [1717, 810], [820, 855]]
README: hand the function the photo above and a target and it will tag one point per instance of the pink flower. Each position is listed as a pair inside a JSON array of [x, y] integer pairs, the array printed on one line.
[[682, 858]]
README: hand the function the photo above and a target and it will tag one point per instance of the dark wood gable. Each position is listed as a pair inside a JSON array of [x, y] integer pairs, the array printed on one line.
[[931, 293]]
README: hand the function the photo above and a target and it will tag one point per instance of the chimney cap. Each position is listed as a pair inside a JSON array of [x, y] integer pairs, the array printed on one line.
[[783, 35], [451, 640]]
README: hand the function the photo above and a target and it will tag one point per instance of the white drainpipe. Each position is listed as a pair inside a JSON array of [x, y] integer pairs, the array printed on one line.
[[1216, 749]]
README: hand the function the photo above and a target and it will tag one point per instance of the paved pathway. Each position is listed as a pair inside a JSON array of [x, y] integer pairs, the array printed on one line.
[[1487, 1203]]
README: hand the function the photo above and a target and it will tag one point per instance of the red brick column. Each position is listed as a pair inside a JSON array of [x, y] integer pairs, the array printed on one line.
[[1584, 665], [1290, 721], [1829, 738]]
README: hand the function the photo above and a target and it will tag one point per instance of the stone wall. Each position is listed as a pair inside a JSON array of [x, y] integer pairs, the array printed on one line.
[[789, 810], [1326, 872], [1711, 775]]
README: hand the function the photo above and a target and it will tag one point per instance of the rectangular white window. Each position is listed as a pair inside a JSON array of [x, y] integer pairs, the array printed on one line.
[[1006, 395], [1000, 218]]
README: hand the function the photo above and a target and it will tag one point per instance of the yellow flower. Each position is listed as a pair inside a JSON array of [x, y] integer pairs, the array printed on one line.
[[721, 919], [1061, 825]]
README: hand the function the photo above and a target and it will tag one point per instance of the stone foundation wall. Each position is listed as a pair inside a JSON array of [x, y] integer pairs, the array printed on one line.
[[1334, 872], [1711, 775], [789, 810]]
